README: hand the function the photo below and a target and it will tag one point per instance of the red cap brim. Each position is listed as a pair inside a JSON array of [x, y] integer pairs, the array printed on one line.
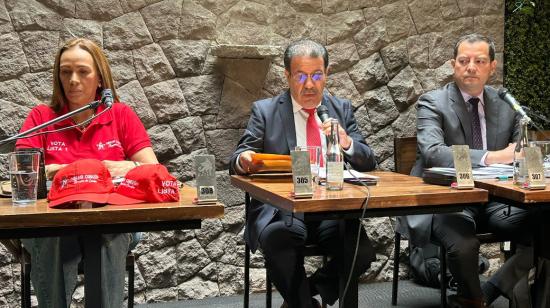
[[118, 199], [91, 197]]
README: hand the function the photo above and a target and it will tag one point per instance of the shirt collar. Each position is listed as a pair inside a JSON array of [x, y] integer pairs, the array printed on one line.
[[467, 97], [297, 107]]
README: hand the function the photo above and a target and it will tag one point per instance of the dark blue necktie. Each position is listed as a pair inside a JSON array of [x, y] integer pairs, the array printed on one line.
[[477, 140]]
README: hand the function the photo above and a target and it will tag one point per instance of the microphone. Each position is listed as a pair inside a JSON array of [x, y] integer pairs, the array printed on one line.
[[510, 100], [107, 97], [322, 113]]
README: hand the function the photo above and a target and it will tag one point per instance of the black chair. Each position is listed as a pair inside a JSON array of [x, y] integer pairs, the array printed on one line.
[[404, 159], [15, 247], [310, 250]]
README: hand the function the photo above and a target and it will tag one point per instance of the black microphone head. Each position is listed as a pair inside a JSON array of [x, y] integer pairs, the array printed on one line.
[[502, 92], [107, 97], [322, 112]]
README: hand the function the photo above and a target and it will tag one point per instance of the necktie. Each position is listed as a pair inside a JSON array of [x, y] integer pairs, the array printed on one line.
[[477, 140], [313, 132]]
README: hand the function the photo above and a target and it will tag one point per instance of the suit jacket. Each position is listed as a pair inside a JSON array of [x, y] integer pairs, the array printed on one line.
[[271, 130], [443, 120]]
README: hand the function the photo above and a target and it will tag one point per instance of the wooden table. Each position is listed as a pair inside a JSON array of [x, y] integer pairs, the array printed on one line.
[[41, 221], [394, 195], [537, 201]]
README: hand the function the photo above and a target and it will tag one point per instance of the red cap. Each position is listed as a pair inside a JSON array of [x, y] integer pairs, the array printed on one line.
[[146, 183], [82, 180]]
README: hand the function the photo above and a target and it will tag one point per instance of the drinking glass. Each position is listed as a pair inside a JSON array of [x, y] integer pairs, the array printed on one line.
[[23, 170]]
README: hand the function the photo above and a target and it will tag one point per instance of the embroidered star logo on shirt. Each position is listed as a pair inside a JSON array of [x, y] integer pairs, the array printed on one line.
[[101, 146]]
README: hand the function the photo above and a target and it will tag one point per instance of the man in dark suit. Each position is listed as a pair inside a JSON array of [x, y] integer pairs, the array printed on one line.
[[277, 125], [467, 111]]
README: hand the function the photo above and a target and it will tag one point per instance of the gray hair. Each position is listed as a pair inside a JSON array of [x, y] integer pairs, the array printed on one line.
[[306, 48], [474, 38]]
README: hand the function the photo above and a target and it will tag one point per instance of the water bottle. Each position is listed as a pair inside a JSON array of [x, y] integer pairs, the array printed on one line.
[[334, 159], [520, 168]]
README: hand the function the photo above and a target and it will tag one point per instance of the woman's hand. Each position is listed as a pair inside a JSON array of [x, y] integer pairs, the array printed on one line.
[[119, 168], [52, 169]]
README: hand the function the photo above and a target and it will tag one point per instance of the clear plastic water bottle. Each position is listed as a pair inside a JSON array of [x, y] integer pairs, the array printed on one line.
[[335, 159], [520, 168]]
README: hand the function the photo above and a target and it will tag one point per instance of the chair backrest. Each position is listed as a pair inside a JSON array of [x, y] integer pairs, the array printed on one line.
[[404, 154]]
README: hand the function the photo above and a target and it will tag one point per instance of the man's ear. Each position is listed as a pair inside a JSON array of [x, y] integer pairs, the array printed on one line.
[[453, 62], [287, 75], [493, 67]]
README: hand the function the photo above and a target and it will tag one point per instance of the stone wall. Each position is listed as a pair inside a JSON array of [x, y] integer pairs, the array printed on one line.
[[184, 66]]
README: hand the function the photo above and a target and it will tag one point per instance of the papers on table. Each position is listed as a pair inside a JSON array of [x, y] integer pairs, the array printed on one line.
[[489, 172], [349, 177]]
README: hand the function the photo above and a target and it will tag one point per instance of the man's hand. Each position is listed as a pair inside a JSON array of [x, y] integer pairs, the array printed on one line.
[[119, 168], [504, 156], [345, 140], [245, 161]]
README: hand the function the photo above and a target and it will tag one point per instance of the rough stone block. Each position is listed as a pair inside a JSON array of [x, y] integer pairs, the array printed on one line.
[[17, 92], [89, 29], [151, 65], [371, 39], [310, 6], [189, 133], [40, 84], [363, 120], [65, 7], [217, 6], [235, 105], [197, 23], [165, 144], [418, 47], [11, 118], [202, 93], [382, 143], [126, 32], [381, 108], [167, 101], [405, 88], [395, 57], [343, 55], [186, 57], [31, 15], [163, 19], [40, 47], [182, 167], [98, 9], [405, 124], [132, 94], [342, 25], [426, 16], [399, 23], [340, 85], [369, 73], [12, 59], [134, 5], [223, 142], [191, 258], [122, 66], [162, 266], [197, 288]]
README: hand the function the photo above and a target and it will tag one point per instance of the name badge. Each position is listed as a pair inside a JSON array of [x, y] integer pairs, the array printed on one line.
[[535, 169], [205, 171], [301, 174], [463, 167]]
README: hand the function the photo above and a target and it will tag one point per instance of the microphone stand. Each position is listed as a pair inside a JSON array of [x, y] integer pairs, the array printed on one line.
[[5, 142]]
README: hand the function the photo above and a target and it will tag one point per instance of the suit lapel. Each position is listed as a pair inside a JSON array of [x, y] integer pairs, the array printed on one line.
[[287, 119], [459, 107], [491, 117]]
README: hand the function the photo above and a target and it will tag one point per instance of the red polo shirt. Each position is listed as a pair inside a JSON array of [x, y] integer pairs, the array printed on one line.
[[115, 135]]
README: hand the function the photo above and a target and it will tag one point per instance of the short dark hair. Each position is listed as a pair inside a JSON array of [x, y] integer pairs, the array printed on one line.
[[305, 47], [474, 38]]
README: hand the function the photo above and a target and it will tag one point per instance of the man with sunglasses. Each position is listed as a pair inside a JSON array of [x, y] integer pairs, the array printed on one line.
[[276, 126]]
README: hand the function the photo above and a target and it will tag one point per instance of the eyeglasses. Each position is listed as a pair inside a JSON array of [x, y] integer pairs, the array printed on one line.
[[302, 77]]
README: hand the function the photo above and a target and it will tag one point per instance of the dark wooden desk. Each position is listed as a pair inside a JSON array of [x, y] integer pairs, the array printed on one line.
[[394, 195], [537, 201], [41, 221]]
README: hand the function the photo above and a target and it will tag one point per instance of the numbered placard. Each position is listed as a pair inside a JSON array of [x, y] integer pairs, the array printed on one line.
[[301, 174], [205, 170], [463, 167], [535, 168]]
